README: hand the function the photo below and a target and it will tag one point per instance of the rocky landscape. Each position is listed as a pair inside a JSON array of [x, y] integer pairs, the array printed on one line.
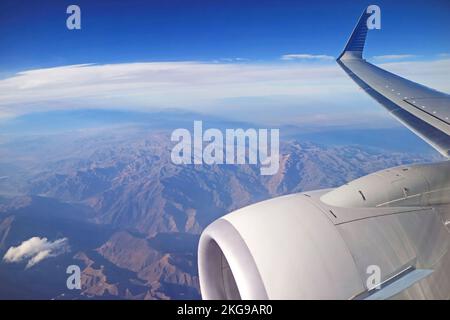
[[132, 218]]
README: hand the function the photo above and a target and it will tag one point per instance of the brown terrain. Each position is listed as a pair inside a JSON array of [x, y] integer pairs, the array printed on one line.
[[133, 219]]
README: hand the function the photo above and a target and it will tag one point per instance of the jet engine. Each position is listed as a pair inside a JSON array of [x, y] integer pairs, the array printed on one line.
[[381, 236]]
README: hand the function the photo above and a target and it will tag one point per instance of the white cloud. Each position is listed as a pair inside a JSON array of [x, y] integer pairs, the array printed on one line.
[[433, 74], [191, 85], [305, 56], [143, 86], [232, 60], [395, 57], [35, 250]]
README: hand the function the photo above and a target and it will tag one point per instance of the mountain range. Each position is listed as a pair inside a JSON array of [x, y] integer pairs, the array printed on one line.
[[132, 218]]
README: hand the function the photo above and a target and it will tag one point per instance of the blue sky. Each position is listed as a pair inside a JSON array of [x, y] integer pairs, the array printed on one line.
[[33, 33], [216, 57]]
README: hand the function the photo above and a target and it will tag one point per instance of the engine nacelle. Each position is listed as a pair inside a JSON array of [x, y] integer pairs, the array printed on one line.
[[284, 248], [300, 247], [413, 185]]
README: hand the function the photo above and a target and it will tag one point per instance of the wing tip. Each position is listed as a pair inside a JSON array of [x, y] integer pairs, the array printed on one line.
[[355, 45]]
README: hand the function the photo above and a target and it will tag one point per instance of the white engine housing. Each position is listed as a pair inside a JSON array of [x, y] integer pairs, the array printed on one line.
[[300, 247]]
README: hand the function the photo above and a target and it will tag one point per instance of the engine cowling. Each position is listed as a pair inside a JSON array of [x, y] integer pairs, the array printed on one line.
[[413, 185], [249, 254], [301, 247]]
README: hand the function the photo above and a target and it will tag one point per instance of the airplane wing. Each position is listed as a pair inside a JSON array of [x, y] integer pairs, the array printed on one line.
[[423, 110], [384, 235]]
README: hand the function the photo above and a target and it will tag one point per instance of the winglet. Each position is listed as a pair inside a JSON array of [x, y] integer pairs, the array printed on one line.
[[355, 44]]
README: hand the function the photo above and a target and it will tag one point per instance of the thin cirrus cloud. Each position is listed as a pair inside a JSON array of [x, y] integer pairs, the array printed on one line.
[[395, 57], [305, 56], [193, 85], [143, 86], [34, 250]]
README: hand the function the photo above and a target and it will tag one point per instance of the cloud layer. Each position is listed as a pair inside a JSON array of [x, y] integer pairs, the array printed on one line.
[[306, 56], [395, 57], [144, 86], [35, 250], [196, 86]]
